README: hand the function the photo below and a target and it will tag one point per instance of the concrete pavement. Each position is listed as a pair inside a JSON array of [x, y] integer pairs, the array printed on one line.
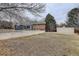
[[19, 33]]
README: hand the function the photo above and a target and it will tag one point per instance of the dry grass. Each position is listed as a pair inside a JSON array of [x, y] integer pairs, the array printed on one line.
[[42, 44]]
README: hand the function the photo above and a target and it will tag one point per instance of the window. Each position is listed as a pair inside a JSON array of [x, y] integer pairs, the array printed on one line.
[[28, 26]]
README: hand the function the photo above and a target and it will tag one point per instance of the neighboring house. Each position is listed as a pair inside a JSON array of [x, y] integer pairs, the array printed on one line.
[[38, 26], [34, 26], [22, 27]]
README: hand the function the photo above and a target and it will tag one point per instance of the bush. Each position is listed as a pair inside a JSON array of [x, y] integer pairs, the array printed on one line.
[[76, 30], [6, 25]]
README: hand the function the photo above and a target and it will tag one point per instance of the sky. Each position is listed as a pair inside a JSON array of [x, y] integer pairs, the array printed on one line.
[[60, 10]]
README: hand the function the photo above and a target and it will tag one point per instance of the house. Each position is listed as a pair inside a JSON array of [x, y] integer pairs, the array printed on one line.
[[38, 26], [23, 27], [27, 25]]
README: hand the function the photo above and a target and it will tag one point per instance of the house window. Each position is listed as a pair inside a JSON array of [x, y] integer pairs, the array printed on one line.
[[28, 26]]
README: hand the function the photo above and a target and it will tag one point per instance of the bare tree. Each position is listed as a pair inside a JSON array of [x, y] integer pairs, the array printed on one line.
[[16, 10]]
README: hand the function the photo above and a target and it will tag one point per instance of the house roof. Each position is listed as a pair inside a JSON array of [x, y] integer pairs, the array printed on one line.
[[40, 23]]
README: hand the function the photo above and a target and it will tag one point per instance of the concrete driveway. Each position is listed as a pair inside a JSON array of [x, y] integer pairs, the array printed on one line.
[[18, 33]]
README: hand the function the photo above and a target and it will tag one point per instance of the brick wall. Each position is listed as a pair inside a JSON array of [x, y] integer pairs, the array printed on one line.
[[38, 26]]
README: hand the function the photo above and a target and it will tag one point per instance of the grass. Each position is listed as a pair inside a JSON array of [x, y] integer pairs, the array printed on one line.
[[45, 44]]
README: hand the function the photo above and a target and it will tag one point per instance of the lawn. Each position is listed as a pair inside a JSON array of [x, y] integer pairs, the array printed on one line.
[[45, 44]]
